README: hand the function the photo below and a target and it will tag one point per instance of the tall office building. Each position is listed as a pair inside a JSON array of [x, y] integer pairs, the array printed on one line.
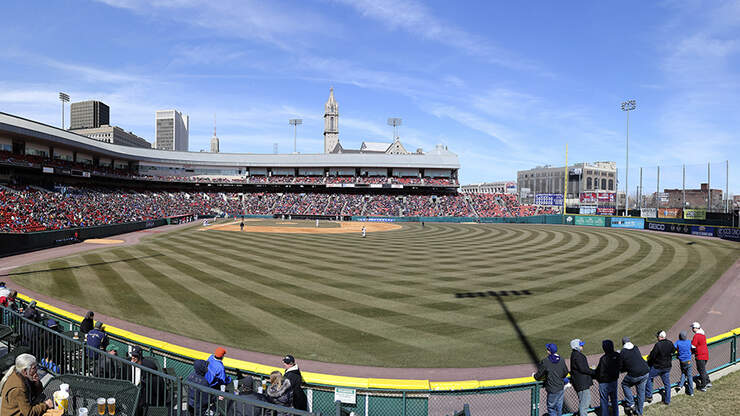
[[89, 115], [172, 130]]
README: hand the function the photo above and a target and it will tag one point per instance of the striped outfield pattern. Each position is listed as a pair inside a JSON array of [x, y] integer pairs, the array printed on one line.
[[389, 299]]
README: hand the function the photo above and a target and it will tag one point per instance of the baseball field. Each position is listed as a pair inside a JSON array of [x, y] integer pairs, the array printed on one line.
[[404, 296]]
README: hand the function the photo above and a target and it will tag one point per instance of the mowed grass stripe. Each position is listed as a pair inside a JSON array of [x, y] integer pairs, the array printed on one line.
[[345, 309], [120, 293], [334, 326], [395, 290]]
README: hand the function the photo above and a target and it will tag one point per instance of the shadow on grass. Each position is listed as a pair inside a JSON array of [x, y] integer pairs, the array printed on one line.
[[80, 266]]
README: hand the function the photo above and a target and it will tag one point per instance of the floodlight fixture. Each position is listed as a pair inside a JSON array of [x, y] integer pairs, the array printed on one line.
[[64, 98], [295, 122], [395, 122]]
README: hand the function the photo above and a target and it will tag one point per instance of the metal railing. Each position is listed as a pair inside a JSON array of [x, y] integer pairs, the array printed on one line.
[[516, 398], [64, 351]]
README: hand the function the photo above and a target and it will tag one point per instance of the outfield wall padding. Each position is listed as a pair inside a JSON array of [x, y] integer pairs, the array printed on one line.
[[16, 243]]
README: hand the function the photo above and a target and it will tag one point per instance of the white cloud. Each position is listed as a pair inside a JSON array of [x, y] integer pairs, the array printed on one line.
[[413, 17]]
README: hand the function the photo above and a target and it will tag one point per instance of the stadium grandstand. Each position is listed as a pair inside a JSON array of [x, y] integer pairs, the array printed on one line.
[[54, 179]]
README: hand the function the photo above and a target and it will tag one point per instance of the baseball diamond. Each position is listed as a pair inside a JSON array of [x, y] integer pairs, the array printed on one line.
[[392, 299]]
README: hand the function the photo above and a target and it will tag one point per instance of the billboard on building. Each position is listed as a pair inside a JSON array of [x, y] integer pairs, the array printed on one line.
[[606, 211], [607, 197], [648, 212], [587, 209], [669, 212], [510, 188], [694, 214], [548, 199], [589, 197]]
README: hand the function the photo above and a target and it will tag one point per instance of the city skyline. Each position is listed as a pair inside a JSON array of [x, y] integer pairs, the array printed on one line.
[[503, 86]]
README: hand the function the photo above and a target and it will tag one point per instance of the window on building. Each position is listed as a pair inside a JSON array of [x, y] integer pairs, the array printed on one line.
[[611, 184], [588, 184], [603, 184]]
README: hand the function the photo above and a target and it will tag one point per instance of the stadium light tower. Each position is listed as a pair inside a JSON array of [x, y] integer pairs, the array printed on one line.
[[64, 98], [627, 106], [395, 122], [295, 122]]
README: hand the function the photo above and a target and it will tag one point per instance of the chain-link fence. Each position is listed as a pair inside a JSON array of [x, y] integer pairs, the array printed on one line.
[[167, 392]]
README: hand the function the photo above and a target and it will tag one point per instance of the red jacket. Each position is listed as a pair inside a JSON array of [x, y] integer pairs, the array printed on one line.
[[699, 344]]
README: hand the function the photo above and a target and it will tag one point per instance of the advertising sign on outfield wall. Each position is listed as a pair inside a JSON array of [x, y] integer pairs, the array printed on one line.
[[671, 228], [702, 230], [627, 222], [729, 233], [694, 214], [648, 212], [592, 221], [669, 213], [587, 210], [606, 211], [549, 199]]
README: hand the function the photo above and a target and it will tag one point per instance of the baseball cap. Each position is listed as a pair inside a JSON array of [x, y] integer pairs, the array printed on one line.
[[99, 325], [288, 359], [220, 352], [574, 344], [552, 348], [660, 334], [695, 325], [137, 352]]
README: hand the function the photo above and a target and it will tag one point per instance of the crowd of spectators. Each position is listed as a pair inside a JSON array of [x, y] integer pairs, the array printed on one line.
[[27, 209]]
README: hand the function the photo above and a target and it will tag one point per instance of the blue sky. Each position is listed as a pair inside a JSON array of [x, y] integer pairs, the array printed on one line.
[[503, 84]]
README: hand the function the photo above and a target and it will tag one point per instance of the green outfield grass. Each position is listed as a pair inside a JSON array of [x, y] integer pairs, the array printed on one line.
[[389, 299]]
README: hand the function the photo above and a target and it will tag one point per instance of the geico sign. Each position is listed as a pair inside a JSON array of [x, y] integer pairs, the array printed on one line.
[[656, 227]]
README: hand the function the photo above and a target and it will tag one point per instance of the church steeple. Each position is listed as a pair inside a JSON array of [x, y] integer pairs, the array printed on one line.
[[214, 140], [331, 123]]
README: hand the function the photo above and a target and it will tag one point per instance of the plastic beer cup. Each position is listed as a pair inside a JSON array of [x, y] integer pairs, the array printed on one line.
[[111, 406], [101, 406]]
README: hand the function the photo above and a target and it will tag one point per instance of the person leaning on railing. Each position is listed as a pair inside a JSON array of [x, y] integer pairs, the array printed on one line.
[[21, 389]]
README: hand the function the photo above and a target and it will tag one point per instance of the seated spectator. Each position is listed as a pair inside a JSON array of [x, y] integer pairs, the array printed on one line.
[[280, 391], [246, 389], [198, 401], [21, 389]]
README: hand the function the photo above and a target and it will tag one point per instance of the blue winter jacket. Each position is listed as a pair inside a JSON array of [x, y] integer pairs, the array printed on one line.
[[216, 374], [684, 349]]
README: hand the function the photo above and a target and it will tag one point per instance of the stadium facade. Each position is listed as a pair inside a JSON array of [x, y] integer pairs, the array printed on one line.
[[22, 137]]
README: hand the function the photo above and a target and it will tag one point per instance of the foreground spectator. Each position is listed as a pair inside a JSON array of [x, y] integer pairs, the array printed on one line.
[[607, 374], [87, 323], [152, 386], [581, 376], [660, 361], [198, 401], [637, 374], [292, 373], [216, 374], [21, 389], [97, 339], [246, 389], [280, 391], [701, 352], [683, 348], [552, 370]]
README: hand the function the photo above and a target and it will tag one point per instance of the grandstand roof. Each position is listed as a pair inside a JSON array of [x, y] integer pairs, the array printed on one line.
[[440, 157]]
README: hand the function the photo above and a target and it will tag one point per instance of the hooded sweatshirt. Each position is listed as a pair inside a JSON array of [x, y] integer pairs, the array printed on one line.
[[198, 376], [661, 355], [699, 343], [552, 370], [683, 346], [632, 362], [609, 364]]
